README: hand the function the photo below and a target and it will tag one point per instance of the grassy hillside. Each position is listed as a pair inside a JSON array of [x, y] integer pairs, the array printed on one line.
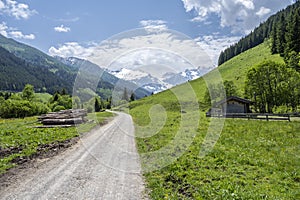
[[249, 159], [236, 69]]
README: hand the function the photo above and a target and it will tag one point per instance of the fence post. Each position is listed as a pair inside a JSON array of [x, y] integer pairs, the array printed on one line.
[[267, 116]]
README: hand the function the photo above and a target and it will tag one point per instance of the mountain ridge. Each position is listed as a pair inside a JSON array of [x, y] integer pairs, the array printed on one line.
[[24, 64], [155, 83]]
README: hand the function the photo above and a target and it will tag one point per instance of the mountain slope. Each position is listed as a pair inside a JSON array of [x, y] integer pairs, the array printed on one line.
[[105, 80], [233, 70], [274, 28], [51, 73], [21, 64], [32, 55], [236, 68], [16, 72]]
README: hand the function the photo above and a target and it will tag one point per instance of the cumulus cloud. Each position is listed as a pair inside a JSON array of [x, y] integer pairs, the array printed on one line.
[[72, 49], [240, 15], [3, 29], [263, 11], [214, 44], [20, 35], [16, 9], [14, 33], [139, 48], [62, 29], [154, 25]]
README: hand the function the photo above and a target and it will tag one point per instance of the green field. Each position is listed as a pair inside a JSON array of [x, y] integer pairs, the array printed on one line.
[[23, 140], [249, 159]]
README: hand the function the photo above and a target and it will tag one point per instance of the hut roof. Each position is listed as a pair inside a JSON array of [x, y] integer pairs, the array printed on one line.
[[238, 99]]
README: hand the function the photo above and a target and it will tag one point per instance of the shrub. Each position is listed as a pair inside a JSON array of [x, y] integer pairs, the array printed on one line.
[[58, 108]]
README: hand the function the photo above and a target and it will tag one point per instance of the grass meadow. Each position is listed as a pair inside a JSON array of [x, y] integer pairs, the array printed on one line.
[[19, 138], [251, 159]]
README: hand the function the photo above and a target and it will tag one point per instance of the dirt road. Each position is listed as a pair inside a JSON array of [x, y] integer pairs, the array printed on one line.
[[104, 164]]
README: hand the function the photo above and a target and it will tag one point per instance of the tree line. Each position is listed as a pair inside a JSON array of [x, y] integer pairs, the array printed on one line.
[[282, 28], [272, 87], [26, 103]]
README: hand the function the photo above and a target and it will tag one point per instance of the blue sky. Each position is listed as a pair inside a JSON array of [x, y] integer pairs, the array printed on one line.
[[72, 28]]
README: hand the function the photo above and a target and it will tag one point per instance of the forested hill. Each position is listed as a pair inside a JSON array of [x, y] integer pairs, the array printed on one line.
[[282, 28], [16, 72], [21, 64]]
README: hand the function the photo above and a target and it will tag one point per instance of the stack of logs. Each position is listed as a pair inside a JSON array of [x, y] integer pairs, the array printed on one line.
[[63, 118]]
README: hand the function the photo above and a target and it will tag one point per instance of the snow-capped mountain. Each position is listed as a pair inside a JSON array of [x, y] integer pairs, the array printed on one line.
[[92, 73], [142, 79], [154, 83], [153, 78], [182, 77]]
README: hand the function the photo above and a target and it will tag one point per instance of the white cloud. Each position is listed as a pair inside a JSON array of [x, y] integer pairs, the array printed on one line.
[[62, 28], [154, 25], [263, 11], [14, 33], [20, 35], [214, 44], [139, 48], [240, 15], [2, 5], [71, 49], [16, 9], [3, 29]]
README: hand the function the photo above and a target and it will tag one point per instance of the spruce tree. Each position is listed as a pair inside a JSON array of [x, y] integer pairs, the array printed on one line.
[[293, 32]]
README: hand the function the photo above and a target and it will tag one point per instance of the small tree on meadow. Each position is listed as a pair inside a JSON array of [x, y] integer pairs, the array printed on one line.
[[28, 92]]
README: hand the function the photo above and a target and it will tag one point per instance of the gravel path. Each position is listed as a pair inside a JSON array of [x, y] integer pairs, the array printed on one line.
[[104, 164]]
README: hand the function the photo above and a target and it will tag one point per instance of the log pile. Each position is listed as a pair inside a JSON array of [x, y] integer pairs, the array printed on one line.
[[63, 118]]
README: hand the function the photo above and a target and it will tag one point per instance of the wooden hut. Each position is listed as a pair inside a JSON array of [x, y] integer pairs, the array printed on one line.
[[230, 105]]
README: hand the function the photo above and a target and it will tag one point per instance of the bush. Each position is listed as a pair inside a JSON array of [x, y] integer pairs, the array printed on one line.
[[12, 108], [90, 109], [65, 101], [58, 108], [282, 109]]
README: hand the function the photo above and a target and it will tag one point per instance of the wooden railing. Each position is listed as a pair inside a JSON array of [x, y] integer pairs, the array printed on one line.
[[258, 116]]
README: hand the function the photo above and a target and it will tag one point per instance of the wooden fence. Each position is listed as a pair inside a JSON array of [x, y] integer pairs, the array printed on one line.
[[257, 116]]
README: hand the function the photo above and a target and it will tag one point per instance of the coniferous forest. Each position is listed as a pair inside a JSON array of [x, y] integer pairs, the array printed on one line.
[[283, 30]]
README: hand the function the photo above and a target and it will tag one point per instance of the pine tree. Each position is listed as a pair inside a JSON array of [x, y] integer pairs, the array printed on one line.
[[125, 95], [293, 32], [98, 105], [273, 41], [221, 58], [132, 97], [280, 35]]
